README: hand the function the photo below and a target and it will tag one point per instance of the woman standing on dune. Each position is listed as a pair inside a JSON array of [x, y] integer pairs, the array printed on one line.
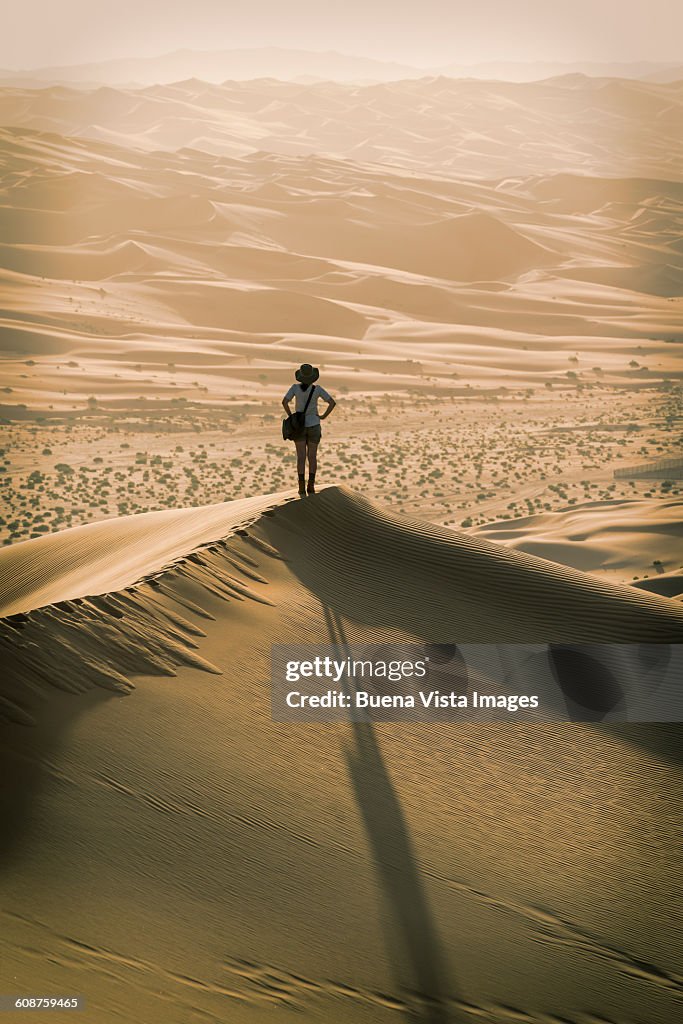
[[307, 392]]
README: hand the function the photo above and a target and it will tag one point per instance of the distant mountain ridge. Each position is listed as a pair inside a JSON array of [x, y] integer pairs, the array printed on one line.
[[292, 64]]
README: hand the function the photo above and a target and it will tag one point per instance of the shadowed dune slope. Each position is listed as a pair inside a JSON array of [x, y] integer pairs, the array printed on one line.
[[424, 579]]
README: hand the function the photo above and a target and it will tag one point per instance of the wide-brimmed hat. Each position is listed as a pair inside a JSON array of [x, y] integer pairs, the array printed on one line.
[[306, 373]]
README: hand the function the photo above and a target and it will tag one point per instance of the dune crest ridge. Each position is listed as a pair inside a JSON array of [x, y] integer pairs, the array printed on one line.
[[112, 554]]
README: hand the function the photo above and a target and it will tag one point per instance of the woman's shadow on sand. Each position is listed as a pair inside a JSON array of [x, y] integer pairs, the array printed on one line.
[[397, 869]]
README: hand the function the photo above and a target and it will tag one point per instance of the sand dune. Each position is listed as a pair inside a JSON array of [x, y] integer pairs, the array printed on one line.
[[394, 576], [618, 537], [113, 554], [363, 904], [468, 128], [265, 257], [668, 584]]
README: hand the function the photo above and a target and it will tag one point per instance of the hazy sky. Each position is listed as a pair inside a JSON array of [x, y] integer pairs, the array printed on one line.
[[423, 32]]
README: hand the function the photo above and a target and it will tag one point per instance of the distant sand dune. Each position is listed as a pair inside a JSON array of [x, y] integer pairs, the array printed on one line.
[[669, 584], [117, 255], [465, 127], [620, 535]]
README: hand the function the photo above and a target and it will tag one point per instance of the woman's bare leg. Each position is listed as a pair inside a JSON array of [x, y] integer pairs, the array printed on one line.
[[312, 456], [301, 463], [301, 456], [312, 465]]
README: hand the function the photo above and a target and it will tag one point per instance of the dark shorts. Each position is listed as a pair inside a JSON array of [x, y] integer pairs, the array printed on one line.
[[313, 434]]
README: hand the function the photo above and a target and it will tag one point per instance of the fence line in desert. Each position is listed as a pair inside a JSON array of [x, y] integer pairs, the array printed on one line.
[[671, 469]]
